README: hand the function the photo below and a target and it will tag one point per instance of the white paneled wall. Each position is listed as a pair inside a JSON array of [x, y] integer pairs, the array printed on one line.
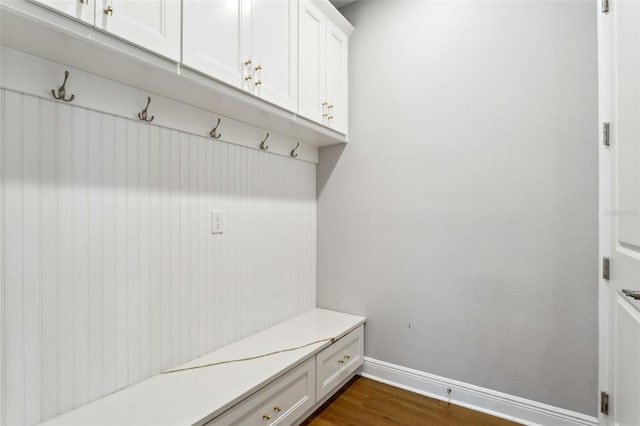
[[109, 271]]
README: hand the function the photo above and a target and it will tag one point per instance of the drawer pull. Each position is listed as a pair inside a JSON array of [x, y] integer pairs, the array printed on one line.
[[340, 361], [277, 408], [266, 417]]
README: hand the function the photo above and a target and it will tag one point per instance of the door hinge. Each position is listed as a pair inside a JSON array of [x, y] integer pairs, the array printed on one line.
[[604, 6], [606, 271], [604, 403], [605, 134]]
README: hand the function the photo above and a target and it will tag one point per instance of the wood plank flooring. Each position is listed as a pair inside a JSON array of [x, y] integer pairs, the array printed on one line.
[[367, 402]]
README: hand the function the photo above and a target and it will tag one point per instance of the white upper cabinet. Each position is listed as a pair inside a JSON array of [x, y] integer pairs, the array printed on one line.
[[152, 24], [312, 69], [273, 50], [250, 44], [291, 53], [323, 69], [83, 10], [337, 74], [211, 39]]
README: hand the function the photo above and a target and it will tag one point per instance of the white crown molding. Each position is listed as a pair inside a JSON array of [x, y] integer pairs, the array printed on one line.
[[477, 398]]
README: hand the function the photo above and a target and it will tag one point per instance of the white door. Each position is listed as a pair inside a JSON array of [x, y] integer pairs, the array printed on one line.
[[620, 181], [211, 39], [79, 9], [152, 24], [336, 78], [274, 51], [312, 100]]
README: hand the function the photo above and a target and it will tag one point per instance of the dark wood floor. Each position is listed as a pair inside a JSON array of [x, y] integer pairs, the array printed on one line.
[[367, 402]]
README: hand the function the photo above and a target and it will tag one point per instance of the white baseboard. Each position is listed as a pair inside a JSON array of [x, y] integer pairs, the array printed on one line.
[[488, 401]]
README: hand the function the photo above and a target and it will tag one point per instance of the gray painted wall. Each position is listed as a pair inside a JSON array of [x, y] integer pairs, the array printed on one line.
[[462, 216]]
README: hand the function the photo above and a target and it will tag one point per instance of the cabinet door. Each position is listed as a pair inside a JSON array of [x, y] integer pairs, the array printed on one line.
[[211, 38], [337, 362], [152, 24], [311, 76], [274, 51], [279, 403], [337, 79], [83, 10]]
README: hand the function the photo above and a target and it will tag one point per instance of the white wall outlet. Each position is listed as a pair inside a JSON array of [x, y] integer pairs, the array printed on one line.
[[217, 222]]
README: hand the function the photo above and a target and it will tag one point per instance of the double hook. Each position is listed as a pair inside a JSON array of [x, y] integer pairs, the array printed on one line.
[[293, 151], [143, 115], [62, 92], [213, 134], [262, 145]]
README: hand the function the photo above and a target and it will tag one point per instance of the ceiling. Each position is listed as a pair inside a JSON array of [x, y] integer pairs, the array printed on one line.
[[341, 3]]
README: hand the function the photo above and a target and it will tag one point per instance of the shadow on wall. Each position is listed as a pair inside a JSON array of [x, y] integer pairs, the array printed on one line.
[[330, 156]]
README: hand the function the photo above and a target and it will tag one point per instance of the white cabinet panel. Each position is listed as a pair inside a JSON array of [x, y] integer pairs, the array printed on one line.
[[337, 63], [274, 51], [312, 71], [83, 10], [339, 361], [250, 44], [323, 51], [211, 38], [152, 24], [282, 402]]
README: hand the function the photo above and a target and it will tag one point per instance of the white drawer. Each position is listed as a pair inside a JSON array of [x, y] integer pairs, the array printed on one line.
[[338, 361], [279, 403]]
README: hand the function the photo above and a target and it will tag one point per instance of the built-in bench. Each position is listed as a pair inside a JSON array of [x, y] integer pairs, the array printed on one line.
[[282, 388]]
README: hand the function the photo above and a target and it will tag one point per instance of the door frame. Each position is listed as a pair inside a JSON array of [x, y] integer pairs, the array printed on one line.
[[604, 204]]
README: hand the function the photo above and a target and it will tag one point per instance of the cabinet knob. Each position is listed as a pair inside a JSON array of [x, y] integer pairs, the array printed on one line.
[[84, 1], [340, 361], [248, 62], [325, 115], [347, 357], [330, 106], [330, 117], [258, 83], [266, 417], [277, 408], [258, 68], [108, 10], [247, 78]]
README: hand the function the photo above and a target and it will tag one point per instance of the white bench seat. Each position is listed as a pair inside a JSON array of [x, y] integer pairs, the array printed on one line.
[[197, 396]]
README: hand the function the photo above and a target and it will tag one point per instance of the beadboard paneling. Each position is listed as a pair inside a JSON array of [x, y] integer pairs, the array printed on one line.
[[109, 271]]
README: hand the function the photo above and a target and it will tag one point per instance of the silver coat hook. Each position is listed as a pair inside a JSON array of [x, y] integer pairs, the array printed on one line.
[[213, 134], [262, 145], [293, 151], [62, 92], [143, 115]]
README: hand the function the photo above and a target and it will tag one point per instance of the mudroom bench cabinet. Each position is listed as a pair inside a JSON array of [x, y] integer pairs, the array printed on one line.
[[277, 376]]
